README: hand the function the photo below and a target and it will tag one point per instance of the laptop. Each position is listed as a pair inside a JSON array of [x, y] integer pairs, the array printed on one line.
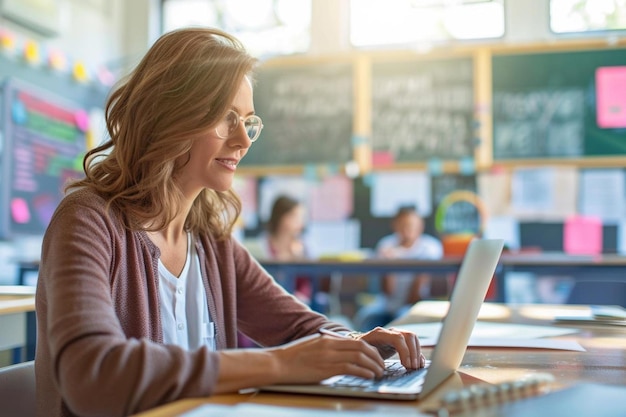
[[470, 289]]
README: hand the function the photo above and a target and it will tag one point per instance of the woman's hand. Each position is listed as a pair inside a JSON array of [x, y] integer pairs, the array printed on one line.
[[390, 341], [314, 358], [317, 357]]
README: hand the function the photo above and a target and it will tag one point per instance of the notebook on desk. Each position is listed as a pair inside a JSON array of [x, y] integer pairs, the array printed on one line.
[[469, 291]]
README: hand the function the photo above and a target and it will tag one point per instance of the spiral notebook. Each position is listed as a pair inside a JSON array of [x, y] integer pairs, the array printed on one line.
[[531, 397], [469, 291]]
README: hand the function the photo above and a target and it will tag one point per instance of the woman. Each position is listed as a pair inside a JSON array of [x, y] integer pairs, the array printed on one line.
[[141, 288]]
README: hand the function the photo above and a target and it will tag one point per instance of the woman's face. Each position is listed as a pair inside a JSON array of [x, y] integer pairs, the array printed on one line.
[[213, 160]]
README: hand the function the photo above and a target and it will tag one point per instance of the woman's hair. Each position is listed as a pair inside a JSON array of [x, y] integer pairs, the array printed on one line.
[[184, 84], [282, 205]]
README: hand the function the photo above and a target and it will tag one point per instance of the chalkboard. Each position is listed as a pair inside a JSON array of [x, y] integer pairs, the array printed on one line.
[[423, 109], [44, 143], [43, 114], [307, 114], [559, 104]]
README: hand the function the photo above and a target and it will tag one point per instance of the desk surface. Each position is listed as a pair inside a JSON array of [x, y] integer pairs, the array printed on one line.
[[16, 299], [603, 362], [10, 304]]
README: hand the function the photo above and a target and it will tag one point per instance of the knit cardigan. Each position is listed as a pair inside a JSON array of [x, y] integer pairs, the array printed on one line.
[[99, 337]]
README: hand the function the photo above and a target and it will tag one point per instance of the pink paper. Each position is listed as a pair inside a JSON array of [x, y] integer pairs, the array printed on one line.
[[611, 97], [332, 199], [382, 158], [20, 211], [81, 118], [582, 235]]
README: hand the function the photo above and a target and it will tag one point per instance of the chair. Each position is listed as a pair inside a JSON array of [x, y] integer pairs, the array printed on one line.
[[598, 292], [17, 390]]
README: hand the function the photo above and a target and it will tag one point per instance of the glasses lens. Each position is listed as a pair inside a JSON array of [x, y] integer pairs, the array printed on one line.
[[253, 126], [227, 126]]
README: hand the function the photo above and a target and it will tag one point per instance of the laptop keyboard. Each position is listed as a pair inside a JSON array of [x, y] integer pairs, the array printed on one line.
[[395, 375]]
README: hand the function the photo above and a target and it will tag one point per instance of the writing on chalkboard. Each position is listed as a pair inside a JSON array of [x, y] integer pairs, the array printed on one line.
[[423, 109], [307, 115], [535, 123], [559, 104]]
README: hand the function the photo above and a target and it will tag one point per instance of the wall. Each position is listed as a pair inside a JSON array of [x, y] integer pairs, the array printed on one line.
[[117, 32], [112, 33]]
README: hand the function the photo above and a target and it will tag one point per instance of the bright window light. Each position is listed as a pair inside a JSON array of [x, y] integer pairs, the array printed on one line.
[[404, 22], [266, 27], [571, 16]]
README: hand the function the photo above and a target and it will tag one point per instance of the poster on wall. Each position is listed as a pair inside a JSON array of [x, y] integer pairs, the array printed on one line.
[[43, 147]]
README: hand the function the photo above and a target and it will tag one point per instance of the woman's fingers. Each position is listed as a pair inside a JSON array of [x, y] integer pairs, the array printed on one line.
[[316, 357], [355, 352], [405, 343]]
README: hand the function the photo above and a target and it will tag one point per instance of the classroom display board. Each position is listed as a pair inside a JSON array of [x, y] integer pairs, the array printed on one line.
[[44, 119], [43, 148], [559, 104], [307, 114], [423, 109], [460, 215]]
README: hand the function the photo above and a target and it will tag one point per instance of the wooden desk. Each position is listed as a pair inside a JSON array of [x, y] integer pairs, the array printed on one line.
[[603, 362], [17, 303]]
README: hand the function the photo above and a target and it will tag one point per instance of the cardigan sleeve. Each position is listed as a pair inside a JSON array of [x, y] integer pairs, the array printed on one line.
[[266, 312]]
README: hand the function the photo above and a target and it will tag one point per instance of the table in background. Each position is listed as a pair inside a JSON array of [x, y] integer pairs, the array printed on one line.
[[603, 362], [578, 267], [17, 321]]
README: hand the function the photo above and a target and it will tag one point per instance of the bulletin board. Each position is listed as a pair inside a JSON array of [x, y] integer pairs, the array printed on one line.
[[43, 149], [44, 117]]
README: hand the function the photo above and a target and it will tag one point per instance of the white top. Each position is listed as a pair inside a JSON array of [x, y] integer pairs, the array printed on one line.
[[184, 310], [426, 247]]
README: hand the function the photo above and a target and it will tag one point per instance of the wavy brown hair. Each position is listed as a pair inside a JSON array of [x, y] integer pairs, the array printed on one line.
[[184, 84]]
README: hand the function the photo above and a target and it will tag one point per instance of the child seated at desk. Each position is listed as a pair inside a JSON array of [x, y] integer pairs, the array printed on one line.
[[401, 290]]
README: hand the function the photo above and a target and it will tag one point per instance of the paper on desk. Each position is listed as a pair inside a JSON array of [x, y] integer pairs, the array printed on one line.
[[259, 410], [596, 315], [487, 334]]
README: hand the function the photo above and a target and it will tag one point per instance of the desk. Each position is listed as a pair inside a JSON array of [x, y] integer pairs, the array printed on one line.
[[17, 321], [603, 362], [579, 267]]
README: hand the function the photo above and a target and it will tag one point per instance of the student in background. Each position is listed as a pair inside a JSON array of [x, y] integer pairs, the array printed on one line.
[[401, 290], [282, 241], [142, 287]]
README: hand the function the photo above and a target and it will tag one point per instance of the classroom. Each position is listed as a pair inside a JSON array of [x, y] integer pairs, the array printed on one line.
[[393, 150]]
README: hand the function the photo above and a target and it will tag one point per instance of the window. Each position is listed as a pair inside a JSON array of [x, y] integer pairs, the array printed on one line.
[[383, 23], [575, 16], [266, 27]]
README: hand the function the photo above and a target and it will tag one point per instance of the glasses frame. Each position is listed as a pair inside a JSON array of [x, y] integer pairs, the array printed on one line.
[[240, 120]]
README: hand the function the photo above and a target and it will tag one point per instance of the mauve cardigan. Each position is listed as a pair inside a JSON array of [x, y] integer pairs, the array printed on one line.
[[99, 338]]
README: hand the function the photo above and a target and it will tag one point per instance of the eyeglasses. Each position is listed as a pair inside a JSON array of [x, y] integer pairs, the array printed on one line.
[[229, 124]]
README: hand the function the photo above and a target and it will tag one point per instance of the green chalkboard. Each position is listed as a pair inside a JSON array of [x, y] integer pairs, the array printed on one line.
[[307, 113], [566, 104], [423, 109]]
